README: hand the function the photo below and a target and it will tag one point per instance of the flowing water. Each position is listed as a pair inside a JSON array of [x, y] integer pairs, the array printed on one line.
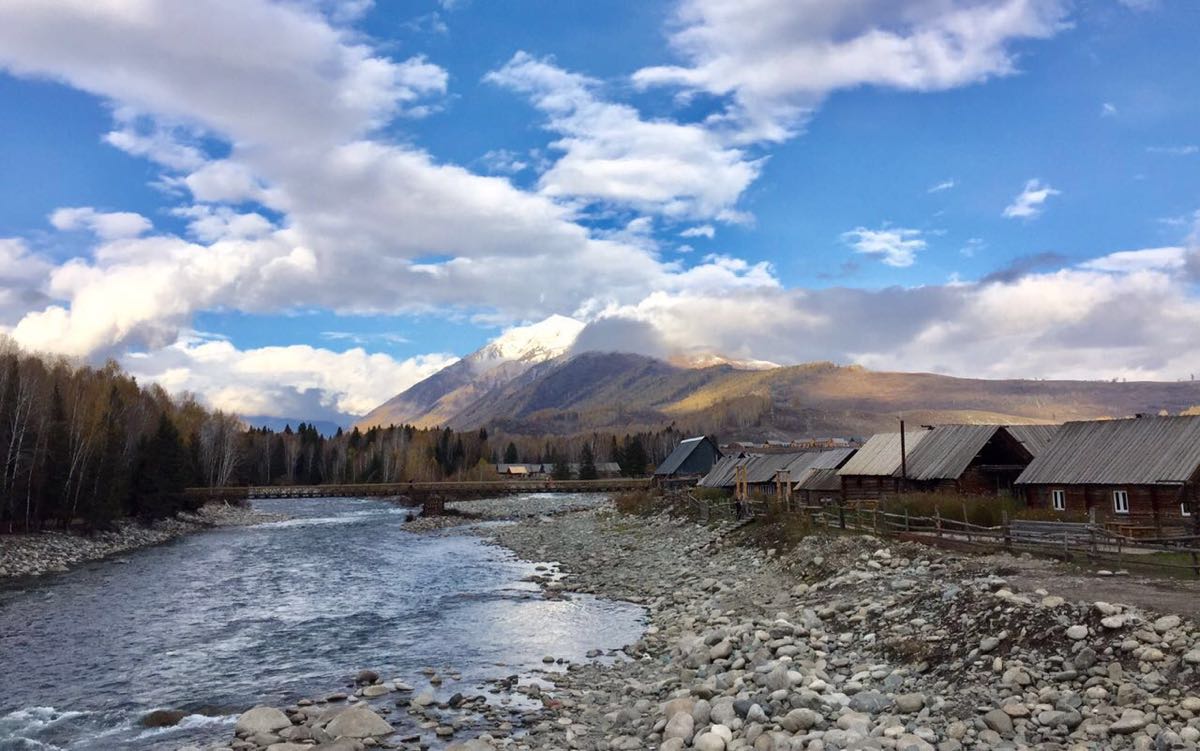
[[216, 622]]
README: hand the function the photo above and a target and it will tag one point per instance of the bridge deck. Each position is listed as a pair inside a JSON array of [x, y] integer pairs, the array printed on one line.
[[464, 490]]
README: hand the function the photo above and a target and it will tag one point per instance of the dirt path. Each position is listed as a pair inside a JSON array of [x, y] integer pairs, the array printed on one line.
[[1164, 595]]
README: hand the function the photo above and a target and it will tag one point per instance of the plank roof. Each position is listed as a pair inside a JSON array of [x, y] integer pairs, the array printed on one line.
[[824, 478], [675, 460], [880, 455], [1141, 451], [1035, 438], [945, 452]]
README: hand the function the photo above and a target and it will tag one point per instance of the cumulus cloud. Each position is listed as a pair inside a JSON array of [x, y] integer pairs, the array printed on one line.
[[23, 273], [287, 381], [703, 230], [895, 246], [611, 154], [776, 59], [1030, 202], [1129, 314], [106, 225]]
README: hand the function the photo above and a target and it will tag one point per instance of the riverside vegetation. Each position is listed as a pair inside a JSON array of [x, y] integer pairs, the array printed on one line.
[[840, 642], [83, 447]]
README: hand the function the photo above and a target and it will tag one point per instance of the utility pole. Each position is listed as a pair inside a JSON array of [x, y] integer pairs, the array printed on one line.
[[903, 458]]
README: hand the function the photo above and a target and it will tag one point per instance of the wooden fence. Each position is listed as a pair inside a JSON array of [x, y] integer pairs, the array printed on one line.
[[1083, 541]]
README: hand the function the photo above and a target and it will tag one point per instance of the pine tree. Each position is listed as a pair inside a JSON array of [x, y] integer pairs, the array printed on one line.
[[635, 457], [510, 454], [587, 463], [560, 469]]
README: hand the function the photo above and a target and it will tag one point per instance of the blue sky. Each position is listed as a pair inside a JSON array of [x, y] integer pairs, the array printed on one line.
[[304, 207]]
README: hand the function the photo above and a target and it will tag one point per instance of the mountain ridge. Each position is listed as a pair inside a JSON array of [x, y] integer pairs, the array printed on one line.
[[582, 392]]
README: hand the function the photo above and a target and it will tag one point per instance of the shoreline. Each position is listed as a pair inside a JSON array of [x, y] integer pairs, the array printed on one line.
[[26, 556], [839, 642]]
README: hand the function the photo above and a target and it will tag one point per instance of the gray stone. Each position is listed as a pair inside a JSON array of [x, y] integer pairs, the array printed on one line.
[[870, 702], [358, 722], [999, 721], [261, 720]]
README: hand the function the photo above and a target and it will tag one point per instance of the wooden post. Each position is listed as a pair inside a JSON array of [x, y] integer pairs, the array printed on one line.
[[1120, 544], [1004, 526], [966, 521], [1066, 549], [1195, 563], [906, 527], [937, 520], [841, 516]]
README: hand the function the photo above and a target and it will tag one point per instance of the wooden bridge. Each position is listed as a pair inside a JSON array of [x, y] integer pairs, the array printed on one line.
[[431, 495]]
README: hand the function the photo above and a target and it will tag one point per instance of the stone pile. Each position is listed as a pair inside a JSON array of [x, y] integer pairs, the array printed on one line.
[[844, 642], [55, 552]]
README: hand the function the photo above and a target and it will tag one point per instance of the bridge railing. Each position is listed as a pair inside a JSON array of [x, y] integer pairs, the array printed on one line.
[[451, 487]]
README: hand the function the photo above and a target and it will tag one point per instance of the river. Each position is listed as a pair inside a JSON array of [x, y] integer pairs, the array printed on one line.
[[216, 622]]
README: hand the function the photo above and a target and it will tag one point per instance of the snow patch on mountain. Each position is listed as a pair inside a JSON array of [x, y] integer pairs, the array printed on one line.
[[537, 342]]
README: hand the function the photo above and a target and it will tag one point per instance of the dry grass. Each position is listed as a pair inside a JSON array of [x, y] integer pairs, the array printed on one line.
[[985, 511]]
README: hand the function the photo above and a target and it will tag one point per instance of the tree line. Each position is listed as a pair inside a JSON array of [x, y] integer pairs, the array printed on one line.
[[84, 446]]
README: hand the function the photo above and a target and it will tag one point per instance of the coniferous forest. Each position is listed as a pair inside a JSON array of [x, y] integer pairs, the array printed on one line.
[[83, 446]]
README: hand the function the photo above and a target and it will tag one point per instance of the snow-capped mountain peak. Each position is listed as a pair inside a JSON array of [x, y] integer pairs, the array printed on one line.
[[536, 342]]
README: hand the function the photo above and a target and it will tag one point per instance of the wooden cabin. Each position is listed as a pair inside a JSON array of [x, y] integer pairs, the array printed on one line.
[[1144, 471]]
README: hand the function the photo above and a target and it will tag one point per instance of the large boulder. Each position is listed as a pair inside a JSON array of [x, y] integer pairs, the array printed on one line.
[[358, 722], [261, 720]]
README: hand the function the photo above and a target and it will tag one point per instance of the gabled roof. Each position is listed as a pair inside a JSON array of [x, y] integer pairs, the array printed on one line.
[[677, 457], [821, 479], [721, 474], [822, 462], [880, 455], [1035, 438], [1142, 451], [946, 451]]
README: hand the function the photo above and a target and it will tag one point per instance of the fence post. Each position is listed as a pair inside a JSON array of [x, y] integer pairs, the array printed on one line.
[[1007, 533], [875, 520], [1066, 548], [906, 527], [966, 521], [937, 520], [1120, 544], [1195, 564], [841, 516]]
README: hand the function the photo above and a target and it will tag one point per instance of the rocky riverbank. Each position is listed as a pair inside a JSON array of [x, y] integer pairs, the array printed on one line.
[[51, 552], [507, 509], [839, 643]]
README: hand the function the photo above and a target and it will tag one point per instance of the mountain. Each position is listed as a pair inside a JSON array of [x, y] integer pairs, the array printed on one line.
[[437, 399], [624, 392]]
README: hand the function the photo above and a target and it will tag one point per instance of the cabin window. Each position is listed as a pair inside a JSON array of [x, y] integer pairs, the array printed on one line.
[[1058, 499], [1121, 501], [1184, 509]]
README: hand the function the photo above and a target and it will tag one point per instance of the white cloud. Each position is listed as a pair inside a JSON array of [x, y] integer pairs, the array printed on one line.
[[944, 185], [286, 381], [1128, 314], [703, 230], [611, 155], [1108, 109], [1183, 150], [110, 225], [504, 162], [778, 58], [1030, 202], [896, 246]]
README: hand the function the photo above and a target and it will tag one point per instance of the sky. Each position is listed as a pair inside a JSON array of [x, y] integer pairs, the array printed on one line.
[[300, 208]]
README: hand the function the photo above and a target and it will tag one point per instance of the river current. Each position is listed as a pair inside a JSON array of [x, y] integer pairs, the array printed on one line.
[[216, 622]]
